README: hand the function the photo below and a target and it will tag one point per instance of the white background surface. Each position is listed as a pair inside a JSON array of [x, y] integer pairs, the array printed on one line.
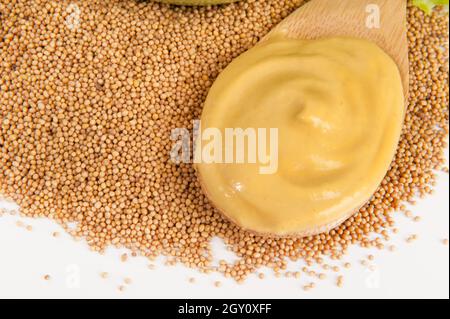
[[417, 270]]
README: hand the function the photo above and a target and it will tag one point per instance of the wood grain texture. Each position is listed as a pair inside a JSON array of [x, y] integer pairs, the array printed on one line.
[[326, 18]]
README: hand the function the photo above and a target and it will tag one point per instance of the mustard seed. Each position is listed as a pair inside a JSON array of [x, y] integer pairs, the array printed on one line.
[[86, 125], [340, 281]]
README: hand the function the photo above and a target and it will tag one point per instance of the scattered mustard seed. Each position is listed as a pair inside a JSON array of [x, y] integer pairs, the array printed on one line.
[[104, 275], [340, 281], [90, 143], [411, 238], [309, 286]]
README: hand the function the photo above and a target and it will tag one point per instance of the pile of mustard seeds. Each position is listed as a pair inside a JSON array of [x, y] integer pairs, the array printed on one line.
[[89, 94]]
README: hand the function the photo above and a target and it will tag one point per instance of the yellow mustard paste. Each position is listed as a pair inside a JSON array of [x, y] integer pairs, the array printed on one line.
[[338, 105]]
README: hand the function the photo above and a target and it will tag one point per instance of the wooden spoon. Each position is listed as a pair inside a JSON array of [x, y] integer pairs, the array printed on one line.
[[354, 18], [380, 21]]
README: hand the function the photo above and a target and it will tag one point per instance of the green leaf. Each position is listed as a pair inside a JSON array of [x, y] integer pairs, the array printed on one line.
[[428, 5]]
